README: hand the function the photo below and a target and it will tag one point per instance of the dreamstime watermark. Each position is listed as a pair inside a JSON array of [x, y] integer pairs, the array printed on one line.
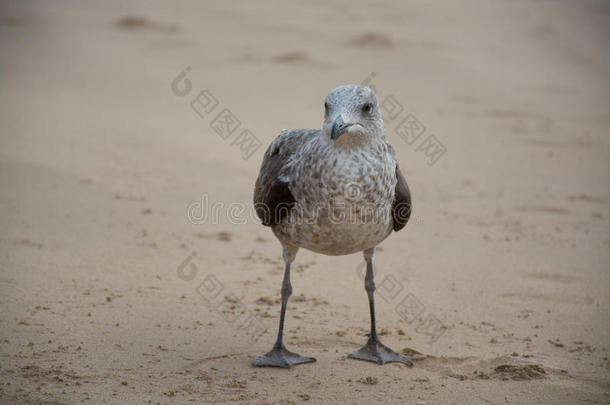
[[408, 127], [225, 123], [224, 302], [348, 211], [408, 306]]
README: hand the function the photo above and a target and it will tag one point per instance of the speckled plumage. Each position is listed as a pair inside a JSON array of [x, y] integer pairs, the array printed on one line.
[[342, 195], [343, 189]]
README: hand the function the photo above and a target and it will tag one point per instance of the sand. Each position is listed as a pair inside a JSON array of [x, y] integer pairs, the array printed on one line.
[[131, 270]]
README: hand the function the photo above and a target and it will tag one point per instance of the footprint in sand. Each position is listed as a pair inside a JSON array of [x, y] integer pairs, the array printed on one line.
[[139, 23]]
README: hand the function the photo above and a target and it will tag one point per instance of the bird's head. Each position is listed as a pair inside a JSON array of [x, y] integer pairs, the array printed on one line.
[[352, 115]]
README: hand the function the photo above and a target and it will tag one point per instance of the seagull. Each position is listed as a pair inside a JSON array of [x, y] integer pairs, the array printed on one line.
[[337, 190]]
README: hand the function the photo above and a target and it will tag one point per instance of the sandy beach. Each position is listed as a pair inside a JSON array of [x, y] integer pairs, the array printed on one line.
[[132, 268]]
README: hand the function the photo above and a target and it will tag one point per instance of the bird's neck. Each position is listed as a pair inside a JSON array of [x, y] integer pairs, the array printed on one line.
[[351, 142]]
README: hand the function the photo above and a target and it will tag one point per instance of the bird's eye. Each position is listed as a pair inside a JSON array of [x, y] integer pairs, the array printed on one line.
[[367, 108], [326, 107]]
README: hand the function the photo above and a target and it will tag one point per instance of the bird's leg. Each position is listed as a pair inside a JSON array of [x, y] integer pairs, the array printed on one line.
[[374, 350], [279, 356]]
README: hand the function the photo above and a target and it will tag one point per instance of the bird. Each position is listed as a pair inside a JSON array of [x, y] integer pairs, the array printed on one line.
[[337, 190]]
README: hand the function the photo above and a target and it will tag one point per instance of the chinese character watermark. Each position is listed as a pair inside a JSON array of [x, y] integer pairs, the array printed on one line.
[[408, 127], [408, 307], [224, 302], [225, 124]]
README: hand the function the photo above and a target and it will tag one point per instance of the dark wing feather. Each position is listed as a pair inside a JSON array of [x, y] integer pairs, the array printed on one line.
[[272, 196], [401, 206]]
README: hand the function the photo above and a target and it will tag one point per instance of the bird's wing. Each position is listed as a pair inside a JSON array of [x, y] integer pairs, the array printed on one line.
[[401, 206], [272, 196]]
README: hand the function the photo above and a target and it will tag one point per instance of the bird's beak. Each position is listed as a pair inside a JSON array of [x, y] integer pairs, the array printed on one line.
[[339, 126]]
